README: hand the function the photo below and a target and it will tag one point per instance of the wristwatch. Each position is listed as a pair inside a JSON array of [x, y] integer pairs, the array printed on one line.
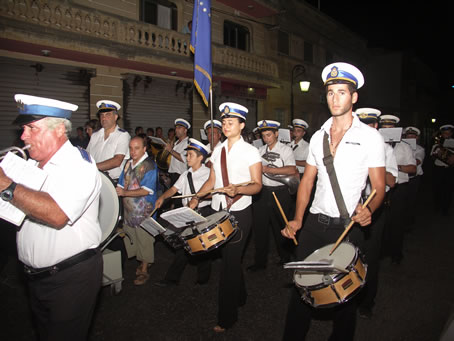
[[8, 193]]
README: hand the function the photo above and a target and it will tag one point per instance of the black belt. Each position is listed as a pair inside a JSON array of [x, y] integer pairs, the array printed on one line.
[[327, 220], [34, 274]]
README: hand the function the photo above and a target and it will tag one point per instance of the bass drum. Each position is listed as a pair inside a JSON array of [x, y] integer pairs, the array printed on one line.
[[110, 208]]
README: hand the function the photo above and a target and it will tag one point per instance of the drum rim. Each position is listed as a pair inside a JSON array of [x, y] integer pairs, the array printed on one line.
[[120, 210], [337, 277]]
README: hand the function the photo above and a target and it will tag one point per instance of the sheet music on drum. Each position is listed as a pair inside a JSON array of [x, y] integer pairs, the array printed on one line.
[[152, 227], [182, 217], [284, 135], [24, 173], [391, 134]]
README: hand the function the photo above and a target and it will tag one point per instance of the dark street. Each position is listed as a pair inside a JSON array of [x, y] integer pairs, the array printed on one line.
[[415, 299]]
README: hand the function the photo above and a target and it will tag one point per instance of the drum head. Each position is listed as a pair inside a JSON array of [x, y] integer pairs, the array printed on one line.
[[212, 220], [342, 257], [109, 207]]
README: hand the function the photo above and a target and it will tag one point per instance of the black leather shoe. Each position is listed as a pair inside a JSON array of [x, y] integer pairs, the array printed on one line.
[[256, 268], [165, 283]]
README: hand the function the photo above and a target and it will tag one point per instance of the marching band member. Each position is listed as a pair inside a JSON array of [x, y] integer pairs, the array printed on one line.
[[215, 134], [299, 146], [399, 209], [234, 162], [189, 183], [109, 146], [357, 152], [277, 159], [373, 234], [59, 239], [443, 184], [177, 150], [419, 153]]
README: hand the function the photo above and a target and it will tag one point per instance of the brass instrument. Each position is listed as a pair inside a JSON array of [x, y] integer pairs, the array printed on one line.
[[15, 150], [444, 154], [291, 181]]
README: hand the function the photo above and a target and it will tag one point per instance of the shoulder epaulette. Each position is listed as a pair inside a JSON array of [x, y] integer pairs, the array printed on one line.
[[85, 154], [121, 130]]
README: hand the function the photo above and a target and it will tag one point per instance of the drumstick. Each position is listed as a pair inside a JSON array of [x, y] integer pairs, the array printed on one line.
[[201, 194], [351, 223], [283, 216]]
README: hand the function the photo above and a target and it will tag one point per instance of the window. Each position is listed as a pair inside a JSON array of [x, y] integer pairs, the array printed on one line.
[[283, 43], [161, 13], [308, 52], [236, 36]]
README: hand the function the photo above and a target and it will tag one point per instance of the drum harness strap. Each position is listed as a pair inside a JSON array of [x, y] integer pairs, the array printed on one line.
[[328, 161], [225, 181]]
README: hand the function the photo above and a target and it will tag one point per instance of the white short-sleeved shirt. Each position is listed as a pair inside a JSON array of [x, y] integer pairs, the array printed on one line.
[[390, 165], [361, 148], [176, 166], [404, 156], [199, 177], [116, 143], [281, 155], [300, 150], [74, 182], [420, 153], [241, 156]]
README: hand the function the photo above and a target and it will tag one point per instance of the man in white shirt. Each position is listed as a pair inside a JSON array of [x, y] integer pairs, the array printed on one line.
[[373, 234], [277, 160], [357, 153], [109, 146], [177, 150], [214, 136], [299, 146], [59, 239], [234, 162], [400, 208]]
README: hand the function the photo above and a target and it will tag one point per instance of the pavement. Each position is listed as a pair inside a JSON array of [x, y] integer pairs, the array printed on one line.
[[414, 301]]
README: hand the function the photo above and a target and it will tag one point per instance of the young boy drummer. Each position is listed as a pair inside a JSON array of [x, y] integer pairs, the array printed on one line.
[[194, 177], [234, 162]]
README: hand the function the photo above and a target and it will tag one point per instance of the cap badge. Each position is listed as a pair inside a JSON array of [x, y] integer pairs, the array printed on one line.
[[334, 72], [226, 110]]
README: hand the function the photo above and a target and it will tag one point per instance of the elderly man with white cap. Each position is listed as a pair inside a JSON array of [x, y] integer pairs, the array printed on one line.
[[355, 152], [299, 146], [59, 238], [109, 146]]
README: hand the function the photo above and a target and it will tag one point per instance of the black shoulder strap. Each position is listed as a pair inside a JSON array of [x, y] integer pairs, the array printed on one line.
[[328, 161], [191, 183]]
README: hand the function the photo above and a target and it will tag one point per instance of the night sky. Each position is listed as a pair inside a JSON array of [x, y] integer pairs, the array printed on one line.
[[423, 27]]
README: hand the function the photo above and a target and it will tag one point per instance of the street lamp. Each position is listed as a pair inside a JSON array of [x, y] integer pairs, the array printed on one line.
[[297, 71]]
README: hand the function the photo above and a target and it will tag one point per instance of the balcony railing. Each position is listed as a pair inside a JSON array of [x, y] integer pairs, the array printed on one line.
[[81, 20]]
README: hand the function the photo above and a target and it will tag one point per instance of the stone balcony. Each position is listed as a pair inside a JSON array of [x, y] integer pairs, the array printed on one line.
[[88, 25]]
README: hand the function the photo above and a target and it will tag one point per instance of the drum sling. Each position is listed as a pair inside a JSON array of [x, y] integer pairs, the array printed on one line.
[[225, 180]]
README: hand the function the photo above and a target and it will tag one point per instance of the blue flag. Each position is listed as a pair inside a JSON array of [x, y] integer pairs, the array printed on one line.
[[201, 47]]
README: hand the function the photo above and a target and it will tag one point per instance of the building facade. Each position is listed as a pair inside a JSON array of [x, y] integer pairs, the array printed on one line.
[[136, 52]]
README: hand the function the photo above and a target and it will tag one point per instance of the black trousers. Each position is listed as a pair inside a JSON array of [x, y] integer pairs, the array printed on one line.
[[267, 215], [443, 187], [232, 288], [314, 235], [63, 303], [182, 258], [396, 222], [373, 235]]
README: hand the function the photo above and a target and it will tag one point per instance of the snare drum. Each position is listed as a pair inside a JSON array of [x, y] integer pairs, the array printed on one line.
[[327, 290], [110, 208], [217, 230]]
